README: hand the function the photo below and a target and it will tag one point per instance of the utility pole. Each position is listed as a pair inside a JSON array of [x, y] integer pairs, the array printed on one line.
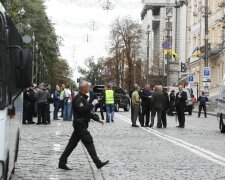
[[206, 33]]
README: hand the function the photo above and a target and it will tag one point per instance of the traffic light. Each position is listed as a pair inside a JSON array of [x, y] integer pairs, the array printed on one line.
[[78, 80], [183, 67]]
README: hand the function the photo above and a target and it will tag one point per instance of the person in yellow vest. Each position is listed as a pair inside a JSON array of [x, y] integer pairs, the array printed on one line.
[[109, 103]]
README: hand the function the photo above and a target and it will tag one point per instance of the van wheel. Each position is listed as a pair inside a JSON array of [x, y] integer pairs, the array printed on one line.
[[6, 170], [222, 126], [127, 108], [190, 112], [17, 151], [117, 107]]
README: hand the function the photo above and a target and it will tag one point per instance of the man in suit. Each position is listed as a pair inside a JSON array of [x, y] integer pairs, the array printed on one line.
[[181, 98], [166, 106], [157, 106], [146, 105]]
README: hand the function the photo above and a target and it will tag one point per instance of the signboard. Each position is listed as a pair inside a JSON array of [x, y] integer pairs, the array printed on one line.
[[207, 73], [191, 78], [206, 84]]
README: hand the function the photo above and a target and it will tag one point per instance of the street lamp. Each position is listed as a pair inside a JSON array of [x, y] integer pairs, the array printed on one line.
[[169, 38], [147, 60]]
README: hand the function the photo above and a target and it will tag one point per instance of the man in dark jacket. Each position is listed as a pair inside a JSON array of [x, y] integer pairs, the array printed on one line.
[[181, 98], [82, 116], [157, 106], [166, 107], [29, 101], [172, 102], [202, 99], [146, 96], [57, 102]]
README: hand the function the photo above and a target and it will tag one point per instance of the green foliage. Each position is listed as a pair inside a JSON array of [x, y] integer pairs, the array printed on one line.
[[41, 27], [94, 71], [62, 73]]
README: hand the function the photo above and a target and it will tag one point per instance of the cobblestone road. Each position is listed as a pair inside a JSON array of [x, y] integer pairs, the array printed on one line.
[[134, 153]]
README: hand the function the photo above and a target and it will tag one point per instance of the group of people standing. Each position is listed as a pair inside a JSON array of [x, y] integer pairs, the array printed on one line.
[[37, 102], [146, 103]]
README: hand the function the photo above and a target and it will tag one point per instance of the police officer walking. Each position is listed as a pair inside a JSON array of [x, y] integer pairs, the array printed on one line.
[[82, 115]]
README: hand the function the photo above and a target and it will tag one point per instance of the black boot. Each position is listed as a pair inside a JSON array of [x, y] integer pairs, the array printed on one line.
[[64, 166], [101, 164]]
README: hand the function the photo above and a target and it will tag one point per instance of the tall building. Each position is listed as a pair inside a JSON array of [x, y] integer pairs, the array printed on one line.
[[196, 39], [164, 21]]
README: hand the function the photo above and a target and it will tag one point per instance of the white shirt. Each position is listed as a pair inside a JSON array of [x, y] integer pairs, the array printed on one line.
[[68, 94]]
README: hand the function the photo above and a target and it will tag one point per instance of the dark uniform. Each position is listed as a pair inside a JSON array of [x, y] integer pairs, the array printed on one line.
[[172, 103], [82, 116], [29, 101], [165, 110], [146, 107], [180, 107]]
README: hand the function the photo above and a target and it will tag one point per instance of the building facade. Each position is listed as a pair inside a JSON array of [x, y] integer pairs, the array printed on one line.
[[164, 20], [196, 38]]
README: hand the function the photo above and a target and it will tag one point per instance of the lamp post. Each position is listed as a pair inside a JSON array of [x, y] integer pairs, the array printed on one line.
[[147, 60], [169, 39], [33, 48]]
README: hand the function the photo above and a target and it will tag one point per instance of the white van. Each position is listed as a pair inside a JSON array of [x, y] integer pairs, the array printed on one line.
[[15, 75]]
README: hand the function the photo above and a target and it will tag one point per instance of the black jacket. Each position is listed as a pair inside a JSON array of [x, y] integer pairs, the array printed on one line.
[[181, 101], [30, 95], [166, 99], [82, 111], [146, 101], [158, 100]]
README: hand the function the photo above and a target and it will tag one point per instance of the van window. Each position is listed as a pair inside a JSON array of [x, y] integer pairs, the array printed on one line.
[[2, 47]]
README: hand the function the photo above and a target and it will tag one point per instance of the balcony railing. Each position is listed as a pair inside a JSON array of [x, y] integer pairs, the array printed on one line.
[[214, 49]]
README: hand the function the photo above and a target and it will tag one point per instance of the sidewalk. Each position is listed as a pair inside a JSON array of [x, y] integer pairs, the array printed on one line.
[[40, 149]]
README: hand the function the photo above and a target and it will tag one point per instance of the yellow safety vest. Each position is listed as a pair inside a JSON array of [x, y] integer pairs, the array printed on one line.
[[109, 97]]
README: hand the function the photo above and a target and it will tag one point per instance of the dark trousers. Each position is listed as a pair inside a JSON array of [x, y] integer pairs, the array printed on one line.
[[145, 115], [159, 117], [164, 120], [42, 112], [82, 134], [62, 108], [200, 109], [180, 114], [102, 112], [56, 110], [48, 112], [28, 112]]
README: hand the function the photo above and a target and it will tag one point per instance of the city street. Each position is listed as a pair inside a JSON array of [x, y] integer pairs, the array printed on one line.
[[196, 152]]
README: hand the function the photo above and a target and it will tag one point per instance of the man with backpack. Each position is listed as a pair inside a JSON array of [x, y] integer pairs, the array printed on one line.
[[202, 99]]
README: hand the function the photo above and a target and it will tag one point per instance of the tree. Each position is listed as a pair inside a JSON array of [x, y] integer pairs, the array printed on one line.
[[93, 71], [41, 26], [62, 72], [125, 48]]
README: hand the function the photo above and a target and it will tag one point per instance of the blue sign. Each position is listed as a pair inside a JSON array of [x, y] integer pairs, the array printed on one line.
[[191, 78], [207, 72]]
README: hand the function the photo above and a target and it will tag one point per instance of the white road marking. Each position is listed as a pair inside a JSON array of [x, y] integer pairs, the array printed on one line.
[[188, 146], [57, 147], [57, 133]]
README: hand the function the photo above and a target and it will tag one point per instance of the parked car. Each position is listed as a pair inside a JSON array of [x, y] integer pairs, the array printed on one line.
[[221, 108], [121, 99], [189, 103]]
